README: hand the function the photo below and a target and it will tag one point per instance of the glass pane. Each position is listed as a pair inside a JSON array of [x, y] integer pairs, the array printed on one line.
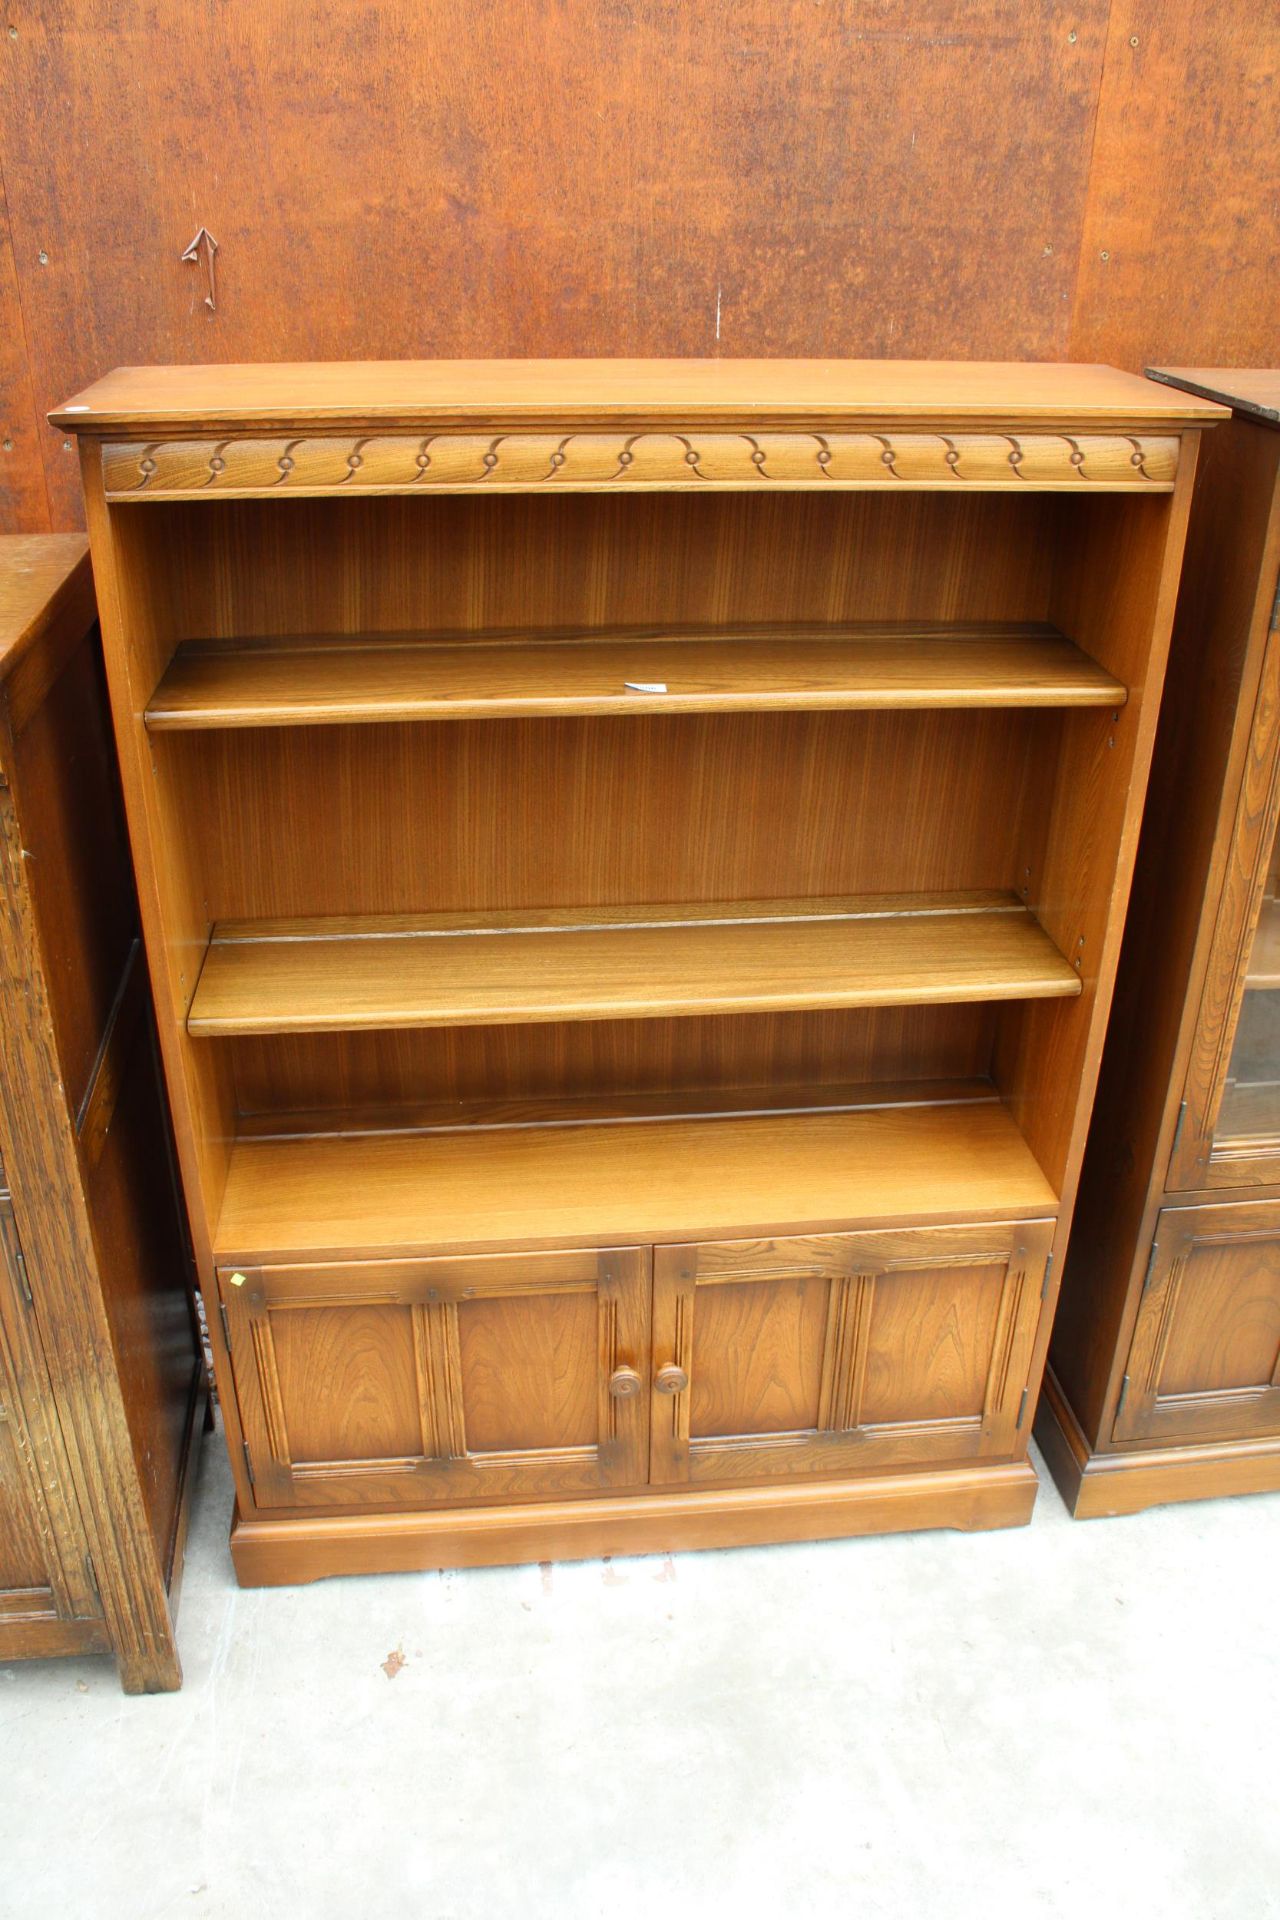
[[1251, 1099]]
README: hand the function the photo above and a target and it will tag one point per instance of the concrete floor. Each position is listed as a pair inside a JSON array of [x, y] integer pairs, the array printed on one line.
[[1081, 1719]]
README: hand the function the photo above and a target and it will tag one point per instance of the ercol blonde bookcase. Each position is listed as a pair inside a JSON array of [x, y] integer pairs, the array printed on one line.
[[1164, 1378], [633, 857], [102, 1379]]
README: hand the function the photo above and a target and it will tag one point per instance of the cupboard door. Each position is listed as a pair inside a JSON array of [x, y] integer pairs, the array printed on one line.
[[1205, 1358], [395, 1382], [840, 1352]]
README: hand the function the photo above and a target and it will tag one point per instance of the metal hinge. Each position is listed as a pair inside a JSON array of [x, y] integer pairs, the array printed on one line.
[[1177, 1133], [226, 1324], [248, 1463], [1151, 1265], [1022, 1407], [1275, 610], [1048, 1269], [92, 1572], [23, 1280], [1124, 1395]]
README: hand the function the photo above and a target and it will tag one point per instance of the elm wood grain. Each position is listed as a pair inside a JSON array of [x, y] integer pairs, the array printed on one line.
[[136, 631], [474, 1378], [99, 1340], [1116, 589], [1156, 1156], [295, 1083], [1186, 854], [291, 977], [512, 815], [571, 1186], [585, 393], [683, 458], [292, 1551], [597, 563], [1103, 1485], [600, 1109], [42, 1544], [310, 683], [1205, 1359], [799, 1356]]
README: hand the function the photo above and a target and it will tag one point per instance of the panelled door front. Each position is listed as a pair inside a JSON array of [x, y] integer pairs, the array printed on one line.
[[398, 1382], [1205, 1359], [839, 1352]]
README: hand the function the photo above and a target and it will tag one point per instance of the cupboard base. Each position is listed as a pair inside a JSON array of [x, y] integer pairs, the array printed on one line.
[[289, 1552], [1102, 1485]]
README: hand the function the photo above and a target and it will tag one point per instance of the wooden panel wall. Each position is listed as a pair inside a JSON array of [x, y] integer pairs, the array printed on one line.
[[986, 178]]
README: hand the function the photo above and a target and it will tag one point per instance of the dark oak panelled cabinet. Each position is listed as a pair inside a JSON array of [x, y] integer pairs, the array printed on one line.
[[101, 1374], [1164, 1379], [632, 857]]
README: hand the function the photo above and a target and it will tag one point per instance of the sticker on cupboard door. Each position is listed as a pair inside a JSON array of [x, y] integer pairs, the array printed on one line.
[[403, 1382], [843, 1351]]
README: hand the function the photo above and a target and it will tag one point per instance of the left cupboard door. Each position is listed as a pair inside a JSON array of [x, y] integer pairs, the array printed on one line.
[[404, 1382]]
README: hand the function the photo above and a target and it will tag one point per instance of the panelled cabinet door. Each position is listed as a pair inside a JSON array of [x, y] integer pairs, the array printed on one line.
[[840, 1352], [44, 1576], [1205, 1359], [399, 1382]]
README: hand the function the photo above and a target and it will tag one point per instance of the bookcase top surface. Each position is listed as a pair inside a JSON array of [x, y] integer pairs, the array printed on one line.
[[39, 574], [525, 392], [1254, 391]]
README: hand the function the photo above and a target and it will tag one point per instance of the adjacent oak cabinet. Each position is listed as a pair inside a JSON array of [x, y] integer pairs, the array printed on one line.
[[632, 856], [1164, 1379], [101, 1371]]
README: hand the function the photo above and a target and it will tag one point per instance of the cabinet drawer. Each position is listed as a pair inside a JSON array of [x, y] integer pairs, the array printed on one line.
[[1205, 1358], [842, 1351], [401, 1382]]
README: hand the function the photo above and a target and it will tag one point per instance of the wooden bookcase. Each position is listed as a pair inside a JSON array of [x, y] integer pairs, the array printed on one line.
[[1165, 1367], [102, 1378], [633, 857]]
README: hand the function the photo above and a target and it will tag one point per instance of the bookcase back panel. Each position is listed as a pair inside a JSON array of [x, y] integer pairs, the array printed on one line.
[[231, 568], [404, 819], [357, 1072]]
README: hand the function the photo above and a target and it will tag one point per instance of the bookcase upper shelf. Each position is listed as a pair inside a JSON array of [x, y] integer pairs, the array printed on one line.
[[319, 680]]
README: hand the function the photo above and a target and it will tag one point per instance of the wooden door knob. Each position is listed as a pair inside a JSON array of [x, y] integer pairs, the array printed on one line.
[[624, 1383], [671, 1379]]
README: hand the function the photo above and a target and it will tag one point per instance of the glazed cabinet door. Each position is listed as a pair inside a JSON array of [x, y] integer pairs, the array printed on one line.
[[1229, 1127], [842, 1352], [1205, 1359], [402, 1382], [44, 1574]]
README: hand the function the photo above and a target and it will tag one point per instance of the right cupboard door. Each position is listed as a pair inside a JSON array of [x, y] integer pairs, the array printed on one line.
[[1205, 1359], [841, 1352]]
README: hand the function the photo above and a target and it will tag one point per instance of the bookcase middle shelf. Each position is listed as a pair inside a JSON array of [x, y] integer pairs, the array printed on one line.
[[469, 969]]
